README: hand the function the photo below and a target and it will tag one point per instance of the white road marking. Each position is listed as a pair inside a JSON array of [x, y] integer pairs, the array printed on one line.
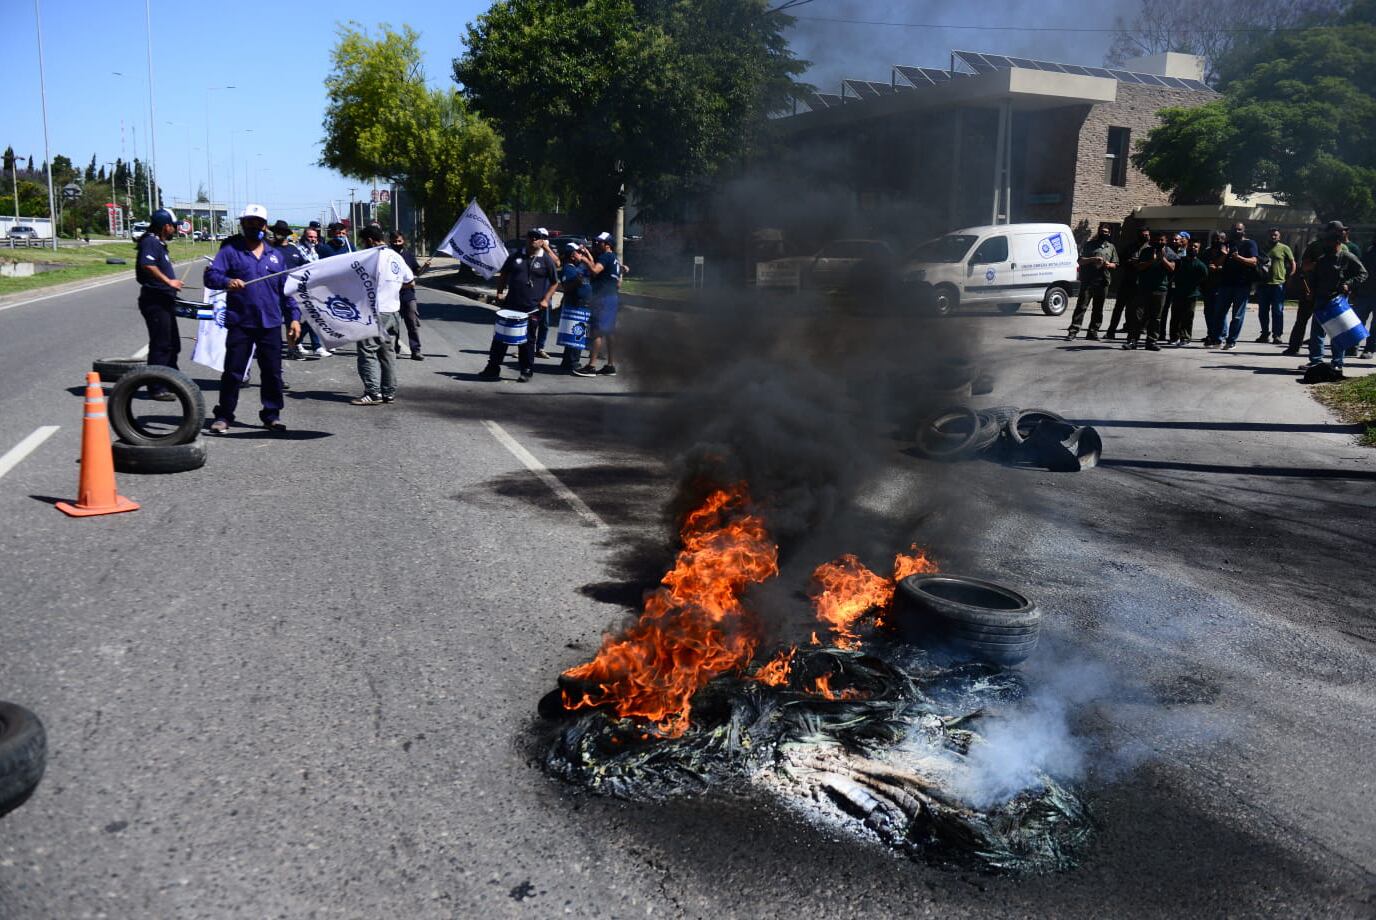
[[25, 447], [540, 470], [90, 287], [140, 354]]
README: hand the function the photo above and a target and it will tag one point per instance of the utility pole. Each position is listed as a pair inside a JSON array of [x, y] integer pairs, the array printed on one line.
[[353, 224], [152, 111], [43, 97]]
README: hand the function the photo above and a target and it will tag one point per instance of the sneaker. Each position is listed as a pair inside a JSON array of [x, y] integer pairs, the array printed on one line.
[[1110, 336], [587, 370], [1291, 352], [1275, 340], [390, 399], [295, 354], [1368, 354], [1263, 338], [164, 396], [1151, 346], [417, 356], [1312, 362], [1129, 345], [219, 426], [1092, 336], [367, 399], [323, 352], [1070, 337], [1229, 346], [525, 377], [273, 424], [542, 354], [490, 373], [608, 370]]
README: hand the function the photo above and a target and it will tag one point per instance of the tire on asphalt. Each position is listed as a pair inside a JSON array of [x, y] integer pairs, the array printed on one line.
[[967, 618], [1055, 300], [121, 408], [23, 754], [1008, 309], [955, 433], [112, 369], [159, 458], [1021, 425]]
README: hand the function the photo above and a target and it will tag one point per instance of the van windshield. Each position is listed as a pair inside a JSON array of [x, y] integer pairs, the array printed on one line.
[[949, 248]]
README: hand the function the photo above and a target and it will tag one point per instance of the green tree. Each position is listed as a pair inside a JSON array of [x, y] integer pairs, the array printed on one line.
[[382, 120], [675, 90], [63, 171], [1300, 123]]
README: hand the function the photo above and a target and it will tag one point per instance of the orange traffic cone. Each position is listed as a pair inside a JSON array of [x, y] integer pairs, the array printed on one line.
[[96, 490]]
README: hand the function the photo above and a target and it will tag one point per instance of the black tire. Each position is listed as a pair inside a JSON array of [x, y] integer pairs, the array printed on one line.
[[23, 754], [160, 458], [968, 618], [1008, 309], [116, 262], [945, 300], [954, 433], [1022, 424], [1055, 301], [126, 426], [112, 369]]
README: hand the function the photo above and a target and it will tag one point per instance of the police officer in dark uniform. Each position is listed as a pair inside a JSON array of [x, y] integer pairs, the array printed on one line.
[[158, 287]]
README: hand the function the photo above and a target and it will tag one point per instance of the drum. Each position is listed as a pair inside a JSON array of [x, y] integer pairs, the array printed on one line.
[[573, 327], [511, 327]]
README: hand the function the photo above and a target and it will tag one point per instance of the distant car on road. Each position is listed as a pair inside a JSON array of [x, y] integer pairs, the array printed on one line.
[[21, 233]]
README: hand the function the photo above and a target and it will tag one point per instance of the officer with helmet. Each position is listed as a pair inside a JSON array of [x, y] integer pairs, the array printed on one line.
[[158, 287], [255, 311]]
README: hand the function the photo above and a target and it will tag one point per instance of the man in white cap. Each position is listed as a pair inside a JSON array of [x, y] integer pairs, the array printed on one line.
[[255, 311], [606, 282]]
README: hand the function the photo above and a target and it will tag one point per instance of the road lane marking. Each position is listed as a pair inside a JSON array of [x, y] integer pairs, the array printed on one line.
[[25, 447], [540, 470], [90, 287], [140, 354]]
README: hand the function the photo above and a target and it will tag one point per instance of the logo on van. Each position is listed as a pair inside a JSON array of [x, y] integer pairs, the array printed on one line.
[[1053, 245], [988, 274]]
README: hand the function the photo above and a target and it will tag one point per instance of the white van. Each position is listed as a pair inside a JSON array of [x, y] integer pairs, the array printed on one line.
[[1005, 264]]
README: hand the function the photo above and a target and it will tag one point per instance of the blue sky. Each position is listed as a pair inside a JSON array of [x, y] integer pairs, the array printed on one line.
[[277, 55]]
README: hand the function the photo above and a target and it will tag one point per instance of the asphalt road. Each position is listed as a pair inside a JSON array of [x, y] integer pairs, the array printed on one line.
[[301, 681]]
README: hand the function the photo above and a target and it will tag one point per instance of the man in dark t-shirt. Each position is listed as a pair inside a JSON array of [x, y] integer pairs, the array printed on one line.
[[158, 287], [1235, 283], [1098, 259], [1127, 282], [529, 279], [1155, 263]]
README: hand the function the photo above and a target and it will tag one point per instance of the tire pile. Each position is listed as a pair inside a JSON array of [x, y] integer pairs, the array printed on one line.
[[139, 449], [1010, 435]]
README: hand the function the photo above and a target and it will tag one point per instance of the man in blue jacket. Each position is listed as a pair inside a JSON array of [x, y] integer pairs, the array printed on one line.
[[254, 313]]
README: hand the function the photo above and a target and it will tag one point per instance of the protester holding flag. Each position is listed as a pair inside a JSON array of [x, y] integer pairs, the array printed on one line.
[[254, 274], [1335, 274], [474, 243], [376, 353]]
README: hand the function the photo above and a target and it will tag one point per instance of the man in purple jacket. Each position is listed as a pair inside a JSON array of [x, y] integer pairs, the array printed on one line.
[[254, 314]]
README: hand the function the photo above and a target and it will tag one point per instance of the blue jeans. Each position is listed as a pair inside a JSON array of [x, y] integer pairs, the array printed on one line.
[[1271, 308], [1365, 305], [1213, 316], [1317, 336], [1232, 298]]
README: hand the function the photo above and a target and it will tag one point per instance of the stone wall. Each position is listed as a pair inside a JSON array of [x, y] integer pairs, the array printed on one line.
[[1095, 200]]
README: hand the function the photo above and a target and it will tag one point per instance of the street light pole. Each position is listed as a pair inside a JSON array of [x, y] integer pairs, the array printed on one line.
[[152, 110], [43, 97], [353, 224]]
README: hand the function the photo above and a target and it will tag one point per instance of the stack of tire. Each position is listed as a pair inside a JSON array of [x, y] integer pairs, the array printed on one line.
[[137, 448], [1007, 434]]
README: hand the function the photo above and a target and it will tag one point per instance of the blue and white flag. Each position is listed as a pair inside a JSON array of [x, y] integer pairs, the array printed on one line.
[[210, 333], [338, 296], [1340, 321], [474, 243]]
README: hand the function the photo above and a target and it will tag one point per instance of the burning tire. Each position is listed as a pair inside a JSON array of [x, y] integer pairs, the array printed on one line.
[[23, 754], [968, 618]]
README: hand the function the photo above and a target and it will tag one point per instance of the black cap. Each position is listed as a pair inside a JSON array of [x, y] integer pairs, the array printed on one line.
[[1334, 227], [313, 225], [281, 228], [533, 234]]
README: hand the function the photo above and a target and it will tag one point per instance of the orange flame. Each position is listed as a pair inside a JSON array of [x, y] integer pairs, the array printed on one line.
[[822, 687], [693, 628], [843, 591], [775, 673], [916, 564]]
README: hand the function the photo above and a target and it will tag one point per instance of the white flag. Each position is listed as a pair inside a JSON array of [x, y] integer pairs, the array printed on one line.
[[338, 296], [210, 333], [475, 243]]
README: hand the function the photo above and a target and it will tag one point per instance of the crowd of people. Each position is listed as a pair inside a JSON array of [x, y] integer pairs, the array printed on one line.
[[258, 316], [1164, 277]]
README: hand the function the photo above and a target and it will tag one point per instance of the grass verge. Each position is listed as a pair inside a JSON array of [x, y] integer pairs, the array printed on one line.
[[81, 263], [1354, 401], [668, 290]]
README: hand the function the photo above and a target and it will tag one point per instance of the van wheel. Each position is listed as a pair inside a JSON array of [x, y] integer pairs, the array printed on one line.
[[945, 300], [1008, 309], [1055, 301]]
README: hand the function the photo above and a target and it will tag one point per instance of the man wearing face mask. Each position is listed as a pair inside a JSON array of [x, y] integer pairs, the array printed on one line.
[[254, 312], [309, 248], [1334, 272], [337, 242], [1098, 259], [529, 279], [158, 287], [1127, 285], [1235, 284], [410, 312]]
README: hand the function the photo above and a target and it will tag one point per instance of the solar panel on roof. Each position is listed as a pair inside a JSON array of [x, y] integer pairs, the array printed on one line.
[[914, 75], [1195, 84], [861, 88], [1076, 69], [1124, 77], [999, 62], [882, 89], [1049, 67], [976, 61], [1099, 72], [941, 76], [1151, 79], [1174, 82], [1024, 63], [828, 99], [815, 102]]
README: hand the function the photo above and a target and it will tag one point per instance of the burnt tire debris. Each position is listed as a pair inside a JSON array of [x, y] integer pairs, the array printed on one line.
[[23, 755], [883, 752], [1009, 435]]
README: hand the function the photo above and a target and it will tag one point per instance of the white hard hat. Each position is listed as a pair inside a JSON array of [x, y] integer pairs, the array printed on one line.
[[254, 210]]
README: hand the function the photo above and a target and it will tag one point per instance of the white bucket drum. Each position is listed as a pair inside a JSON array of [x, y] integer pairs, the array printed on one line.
[[511, 327], [573, 327]]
